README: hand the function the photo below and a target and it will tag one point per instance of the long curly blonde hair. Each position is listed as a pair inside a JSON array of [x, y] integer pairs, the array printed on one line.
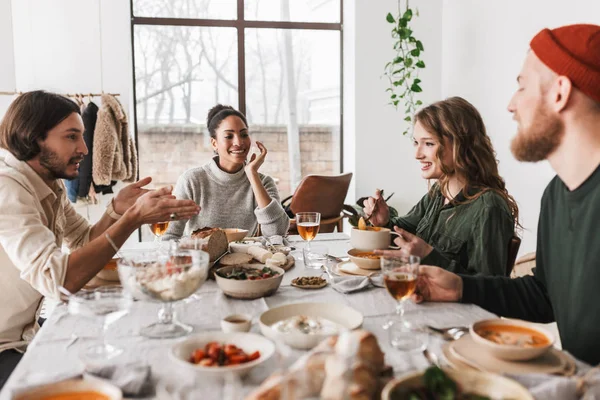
[[458, 121]]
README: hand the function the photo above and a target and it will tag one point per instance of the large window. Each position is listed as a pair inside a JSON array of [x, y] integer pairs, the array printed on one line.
[[278, 61]]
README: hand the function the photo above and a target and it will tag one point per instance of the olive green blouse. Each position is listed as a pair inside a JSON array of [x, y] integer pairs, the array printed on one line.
[[471, 238]]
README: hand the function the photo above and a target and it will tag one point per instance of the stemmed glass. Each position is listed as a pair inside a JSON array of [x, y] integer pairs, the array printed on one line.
[[108, 304], [158, 229], [400, 279], [164, 277], [308, 226]]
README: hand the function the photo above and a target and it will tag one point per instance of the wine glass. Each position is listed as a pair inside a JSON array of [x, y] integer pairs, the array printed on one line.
[[158, 229], [308, 226], [108, 303], [400, 279], [164, 277]]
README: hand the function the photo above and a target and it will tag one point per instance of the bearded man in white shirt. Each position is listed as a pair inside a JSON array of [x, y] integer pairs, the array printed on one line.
[[41, 142]]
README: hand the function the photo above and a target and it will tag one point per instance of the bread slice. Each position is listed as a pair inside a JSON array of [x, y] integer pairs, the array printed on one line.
[[217, 243], [235, 259]]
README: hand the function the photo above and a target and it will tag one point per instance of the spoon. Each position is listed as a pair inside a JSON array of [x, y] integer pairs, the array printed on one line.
[[451, 333]]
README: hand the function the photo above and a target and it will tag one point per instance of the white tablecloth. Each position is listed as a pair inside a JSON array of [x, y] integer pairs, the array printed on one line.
[[47, 356]]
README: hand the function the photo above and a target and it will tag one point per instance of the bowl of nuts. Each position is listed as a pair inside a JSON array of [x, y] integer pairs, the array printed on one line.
[[309, 282]]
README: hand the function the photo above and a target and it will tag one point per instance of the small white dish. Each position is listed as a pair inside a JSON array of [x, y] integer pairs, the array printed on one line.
[[249, 342], [236, 323]]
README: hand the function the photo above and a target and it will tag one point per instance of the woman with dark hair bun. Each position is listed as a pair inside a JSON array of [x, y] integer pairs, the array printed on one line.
[[229, 189]]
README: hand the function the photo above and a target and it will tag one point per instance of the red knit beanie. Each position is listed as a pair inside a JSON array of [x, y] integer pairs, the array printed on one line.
[[572, 51]]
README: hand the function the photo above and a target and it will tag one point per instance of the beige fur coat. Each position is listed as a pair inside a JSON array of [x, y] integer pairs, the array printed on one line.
[[114, 156]]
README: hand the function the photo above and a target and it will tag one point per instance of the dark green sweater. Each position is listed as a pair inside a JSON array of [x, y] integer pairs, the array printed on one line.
[[566, 282], [470, 238]]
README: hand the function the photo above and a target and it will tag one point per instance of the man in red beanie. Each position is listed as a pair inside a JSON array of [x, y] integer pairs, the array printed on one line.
[[557, 109]]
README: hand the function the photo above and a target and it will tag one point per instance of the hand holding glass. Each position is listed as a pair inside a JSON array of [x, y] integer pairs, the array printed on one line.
[[400, 279]]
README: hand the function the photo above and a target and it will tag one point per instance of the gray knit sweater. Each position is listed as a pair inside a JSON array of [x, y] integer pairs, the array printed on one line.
[[227, 201]]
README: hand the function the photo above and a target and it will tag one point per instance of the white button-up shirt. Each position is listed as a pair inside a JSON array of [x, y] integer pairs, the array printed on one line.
[[35, 219]]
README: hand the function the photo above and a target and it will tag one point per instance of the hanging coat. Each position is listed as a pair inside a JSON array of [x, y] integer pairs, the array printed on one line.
[[114, 156]]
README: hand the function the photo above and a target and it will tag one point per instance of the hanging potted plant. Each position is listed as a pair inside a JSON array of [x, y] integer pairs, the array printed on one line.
[[403, 70]]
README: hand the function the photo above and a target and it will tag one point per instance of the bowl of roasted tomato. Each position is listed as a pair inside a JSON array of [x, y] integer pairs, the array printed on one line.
[[217, 353], [249, 282]]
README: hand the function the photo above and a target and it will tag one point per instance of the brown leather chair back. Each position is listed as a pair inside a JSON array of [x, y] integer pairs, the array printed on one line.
[[320, 193], [513, 249]]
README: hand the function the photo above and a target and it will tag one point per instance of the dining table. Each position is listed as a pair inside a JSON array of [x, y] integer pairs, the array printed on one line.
[[54, 352]]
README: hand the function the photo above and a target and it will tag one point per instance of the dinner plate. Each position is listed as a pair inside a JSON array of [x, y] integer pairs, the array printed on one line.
[[344, 316], [470, 353], [348, 268]]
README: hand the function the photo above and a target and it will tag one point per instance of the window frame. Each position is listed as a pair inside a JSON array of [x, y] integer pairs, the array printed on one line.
[[240, 24]]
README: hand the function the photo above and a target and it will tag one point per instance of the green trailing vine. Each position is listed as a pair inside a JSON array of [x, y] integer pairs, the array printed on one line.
[[403, 70]]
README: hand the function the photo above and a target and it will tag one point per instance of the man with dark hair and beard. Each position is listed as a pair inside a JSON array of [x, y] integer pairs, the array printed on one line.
[[41, 141], [557, 108]]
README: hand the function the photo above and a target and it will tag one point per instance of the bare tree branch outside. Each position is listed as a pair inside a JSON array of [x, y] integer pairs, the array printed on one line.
[[292, 84]]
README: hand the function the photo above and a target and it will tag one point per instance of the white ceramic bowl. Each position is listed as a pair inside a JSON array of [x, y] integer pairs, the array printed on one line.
[[236, 323], [476, 382], [235, 234], [346, 317], [248, 289], [249, 342], [362, 262], [71, 386], [510, 352]]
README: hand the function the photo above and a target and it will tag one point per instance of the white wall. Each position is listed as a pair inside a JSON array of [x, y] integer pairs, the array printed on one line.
[[7, 70], [58, 46], [69, 46], [384, 158], [484, 44]]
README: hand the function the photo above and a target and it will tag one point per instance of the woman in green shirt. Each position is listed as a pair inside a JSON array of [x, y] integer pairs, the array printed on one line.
[[467, 219]]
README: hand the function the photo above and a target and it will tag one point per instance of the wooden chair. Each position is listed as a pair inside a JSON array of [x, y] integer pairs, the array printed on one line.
[[513, 249], [323, 194]]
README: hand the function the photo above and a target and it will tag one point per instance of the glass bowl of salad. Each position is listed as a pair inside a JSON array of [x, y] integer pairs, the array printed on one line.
[[248, 281]]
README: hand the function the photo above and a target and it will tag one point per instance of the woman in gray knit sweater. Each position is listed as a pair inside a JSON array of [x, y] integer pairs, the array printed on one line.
[[230, 190]]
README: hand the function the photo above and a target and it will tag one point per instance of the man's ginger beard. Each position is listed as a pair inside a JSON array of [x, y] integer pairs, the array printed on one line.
[[540, 139]]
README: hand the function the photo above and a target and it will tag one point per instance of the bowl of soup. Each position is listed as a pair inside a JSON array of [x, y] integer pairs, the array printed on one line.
[[511, 339], [364, 259], [72, 389], [235, 234]]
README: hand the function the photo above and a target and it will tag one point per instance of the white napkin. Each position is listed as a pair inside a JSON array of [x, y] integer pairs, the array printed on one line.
[[351, 284], [585, 386], [134, 379]]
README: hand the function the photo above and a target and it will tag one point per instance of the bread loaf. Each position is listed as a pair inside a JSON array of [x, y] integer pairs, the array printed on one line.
[[217, 243], [359, 352], [323, 372]]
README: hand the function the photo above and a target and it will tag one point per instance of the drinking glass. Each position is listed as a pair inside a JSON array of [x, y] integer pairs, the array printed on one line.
[[400, 279], [308, 226], [108, 304], [164, 277], [315, 257], [158, 229]]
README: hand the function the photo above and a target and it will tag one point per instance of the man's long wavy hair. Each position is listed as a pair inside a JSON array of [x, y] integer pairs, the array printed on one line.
[[458, 121]]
